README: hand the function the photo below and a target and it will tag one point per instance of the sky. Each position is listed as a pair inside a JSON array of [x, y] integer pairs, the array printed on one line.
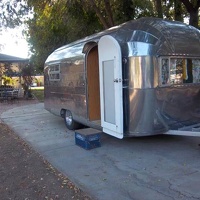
[[14, 43]]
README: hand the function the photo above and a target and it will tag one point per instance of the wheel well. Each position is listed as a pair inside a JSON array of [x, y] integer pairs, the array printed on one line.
[[62, 112]]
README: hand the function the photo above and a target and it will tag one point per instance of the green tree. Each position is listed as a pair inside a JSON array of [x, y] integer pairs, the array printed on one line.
[[192, 8], [55, 24], [27, 73], [58, 22], [7, 80], [13, 13], [158, 8], [113, 12], [178, 10]]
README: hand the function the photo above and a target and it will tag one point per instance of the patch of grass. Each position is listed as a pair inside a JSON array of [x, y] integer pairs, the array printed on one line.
[[38, 93]]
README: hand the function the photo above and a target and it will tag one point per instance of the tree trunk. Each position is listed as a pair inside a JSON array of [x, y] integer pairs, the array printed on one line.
[[99, 15], [193, 10], [178, 10], [194, 19], [128, 8], [159, 10], [109, 12]]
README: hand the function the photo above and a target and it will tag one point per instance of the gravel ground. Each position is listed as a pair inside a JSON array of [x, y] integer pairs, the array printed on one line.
[[25, 175]]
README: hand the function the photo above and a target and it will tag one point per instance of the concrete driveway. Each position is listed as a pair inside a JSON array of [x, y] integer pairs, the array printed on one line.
[[150, 168]]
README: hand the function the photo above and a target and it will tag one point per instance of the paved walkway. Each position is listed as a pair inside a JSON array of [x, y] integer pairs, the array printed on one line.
[[7, 105], [159, 167]]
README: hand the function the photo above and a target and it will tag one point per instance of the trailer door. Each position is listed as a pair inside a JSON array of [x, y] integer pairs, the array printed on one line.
[[110, 74]]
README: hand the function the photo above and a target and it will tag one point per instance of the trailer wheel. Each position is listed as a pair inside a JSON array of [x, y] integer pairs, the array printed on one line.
[[69, 121]]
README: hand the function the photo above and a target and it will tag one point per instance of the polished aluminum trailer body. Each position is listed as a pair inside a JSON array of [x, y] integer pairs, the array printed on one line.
[[137, 79]]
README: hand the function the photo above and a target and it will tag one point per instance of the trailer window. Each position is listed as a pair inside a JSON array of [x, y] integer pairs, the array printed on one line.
[[165, 71], [179, 71], [196, 71], [54, 72]]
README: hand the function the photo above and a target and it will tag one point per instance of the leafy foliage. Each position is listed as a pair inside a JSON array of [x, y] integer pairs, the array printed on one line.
[[55, 25], [7, 80], [192, 8], [12, 13], [58, 22], [27, 72]]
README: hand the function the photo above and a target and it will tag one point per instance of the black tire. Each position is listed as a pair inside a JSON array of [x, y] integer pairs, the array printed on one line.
[[69, 121]]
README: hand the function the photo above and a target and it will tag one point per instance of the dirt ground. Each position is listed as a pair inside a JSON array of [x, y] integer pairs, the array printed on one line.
[[25, 175]]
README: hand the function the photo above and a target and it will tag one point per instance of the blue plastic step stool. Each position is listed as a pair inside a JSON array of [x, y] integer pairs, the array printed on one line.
[[87, 138]]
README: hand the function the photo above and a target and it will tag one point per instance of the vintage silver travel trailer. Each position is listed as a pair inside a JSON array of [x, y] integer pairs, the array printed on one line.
[[137, 79]]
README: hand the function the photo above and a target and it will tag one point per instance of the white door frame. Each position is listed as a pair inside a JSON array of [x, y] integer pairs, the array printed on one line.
[[110, 75]]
